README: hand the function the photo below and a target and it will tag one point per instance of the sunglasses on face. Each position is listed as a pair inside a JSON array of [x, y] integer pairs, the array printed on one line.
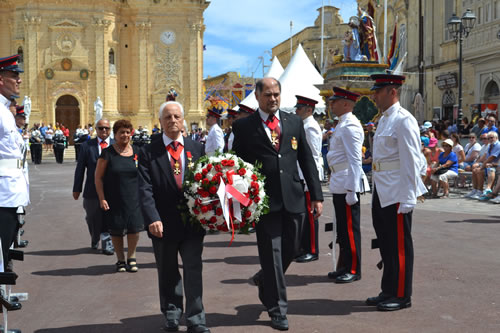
[[102, 128]]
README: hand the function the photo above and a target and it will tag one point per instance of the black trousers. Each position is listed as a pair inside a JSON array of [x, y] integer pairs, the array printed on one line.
[[310, 239], [36, 153], [8, 230], [396, 247], [348, 233], [77, 150], [94, 216], [59, 153], [279, 236], [170, 281]]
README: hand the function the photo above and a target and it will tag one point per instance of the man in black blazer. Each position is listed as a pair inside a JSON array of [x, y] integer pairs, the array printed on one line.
[[87, 159], [278, 141], [162, 167]]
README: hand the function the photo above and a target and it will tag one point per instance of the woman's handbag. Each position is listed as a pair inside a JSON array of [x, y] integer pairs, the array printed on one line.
[[441, 171]]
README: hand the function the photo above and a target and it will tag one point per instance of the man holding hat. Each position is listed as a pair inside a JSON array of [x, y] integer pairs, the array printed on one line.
[[13, 180], [305, 108], [397, 185], [345, 161], [215, 137]]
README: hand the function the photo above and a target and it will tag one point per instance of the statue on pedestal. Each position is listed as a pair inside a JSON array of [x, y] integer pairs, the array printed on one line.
[[98, 109], [27, 108]]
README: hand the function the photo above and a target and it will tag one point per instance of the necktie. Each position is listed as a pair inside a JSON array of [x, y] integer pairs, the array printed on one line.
[[274, 125], [103, 145], [175, 150]]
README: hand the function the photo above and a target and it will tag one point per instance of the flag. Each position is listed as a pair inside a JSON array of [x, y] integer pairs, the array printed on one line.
[[393, 43]]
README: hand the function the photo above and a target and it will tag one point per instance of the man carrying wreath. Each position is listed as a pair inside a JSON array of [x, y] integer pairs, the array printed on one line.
[[277, 140], [162, 168]]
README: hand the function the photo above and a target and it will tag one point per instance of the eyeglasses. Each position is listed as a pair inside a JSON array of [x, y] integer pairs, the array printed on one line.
[[102, 128], [484, 138]]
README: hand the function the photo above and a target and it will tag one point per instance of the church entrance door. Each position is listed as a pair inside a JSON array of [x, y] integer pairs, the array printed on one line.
[[68, 114]]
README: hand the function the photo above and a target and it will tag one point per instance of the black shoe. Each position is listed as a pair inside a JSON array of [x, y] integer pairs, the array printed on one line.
[[308, 257], [394, 304], [335, 274], [107, 247], [251, 230], [94, 246], [172, 325], [198, 329], [279, 323], [21, 243], [377, 299], [9, 305], [347, 278]]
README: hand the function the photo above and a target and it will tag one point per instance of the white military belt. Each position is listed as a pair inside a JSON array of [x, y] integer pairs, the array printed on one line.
[[339, 167], [11, 163], [385, 166]]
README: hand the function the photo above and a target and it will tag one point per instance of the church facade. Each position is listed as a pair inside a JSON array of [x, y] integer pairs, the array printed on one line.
[[129, 53]]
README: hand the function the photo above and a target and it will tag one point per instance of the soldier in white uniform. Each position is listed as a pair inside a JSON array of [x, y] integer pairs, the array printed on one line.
[[305, 108], [345, 161], [215, 137], [14, 190], [397, 184]]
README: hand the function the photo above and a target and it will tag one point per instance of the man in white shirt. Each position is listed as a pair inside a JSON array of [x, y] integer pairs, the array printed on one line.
[[396, 187], [215, 137], [345, 161], [305, 108], [14, 184]]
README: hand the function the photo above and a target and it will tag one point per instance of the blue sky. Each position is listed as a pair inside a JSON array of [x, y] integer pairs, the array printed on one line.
[[239, 31]]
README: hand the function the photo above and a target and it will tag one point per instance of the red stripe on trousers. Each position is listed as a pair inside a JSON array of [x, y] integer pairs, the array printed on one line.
[[311, 222], [401, 255], [351, 238]]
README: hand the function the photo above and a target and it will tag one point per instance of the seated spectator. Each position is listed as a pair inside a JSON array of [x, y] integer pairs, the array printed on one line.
[[488, 169], [431, 154], [466, 127], [458, 149], [472, 150], [476, 190], [494, 195], [451, 127], [478, 127], [491, 120], [446, 169], [366, 161]]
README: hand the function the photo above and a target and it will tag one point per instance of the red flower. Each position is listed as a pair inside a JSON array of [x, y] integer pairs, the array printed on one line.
[[218, 168], [203, 221], [198, 177], [197, 202], [230, 163], [254, 177], [213, 189], [204, 209], [213, 219], [209, 167], [248, 214], [205, 182], [196, 211], [204, 194], [242, 224], [255, 186], [224, 228], [218, 211], [204, 172], [223, 162], [242, 172], [256, 199]]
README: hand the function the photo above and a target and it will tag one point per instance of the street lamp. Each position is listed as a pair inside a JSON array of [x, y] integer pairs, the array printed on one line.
[[460, 28]]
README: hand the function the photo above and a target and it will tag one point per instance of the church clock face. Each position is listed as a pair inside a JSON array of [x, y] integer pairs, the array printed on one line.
[[167, 37]]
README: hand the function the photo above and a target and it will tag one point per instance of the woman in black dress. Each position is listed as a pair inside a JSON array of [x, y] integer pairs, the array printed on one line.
[[116, 185]]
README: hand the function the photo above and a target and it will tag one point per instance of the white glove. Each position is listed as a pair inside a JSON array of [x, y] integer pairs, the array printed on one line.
[[351, 198], [405, 208]]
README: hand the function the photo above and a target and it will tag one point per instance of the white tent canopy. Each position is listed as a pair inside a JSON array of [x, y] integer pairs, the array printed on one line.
[[299, 78], [275, 70]]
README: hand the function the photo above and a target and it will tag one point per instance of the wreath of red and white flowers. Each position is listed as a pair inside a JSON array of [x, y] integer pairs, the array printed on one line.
[[225, 193]]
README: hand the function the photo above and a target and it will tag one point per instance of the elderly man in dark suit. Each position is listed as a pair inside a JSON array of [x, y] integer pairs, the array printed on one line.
[[87, 159], [278, 141], [162, 168]]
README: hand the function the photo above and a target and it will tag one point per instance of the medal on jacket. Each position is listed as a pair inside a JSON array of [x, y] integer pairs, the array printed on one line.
[[274, 138], [190, 160], [294, 143], [177, 169], [136, 161]]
